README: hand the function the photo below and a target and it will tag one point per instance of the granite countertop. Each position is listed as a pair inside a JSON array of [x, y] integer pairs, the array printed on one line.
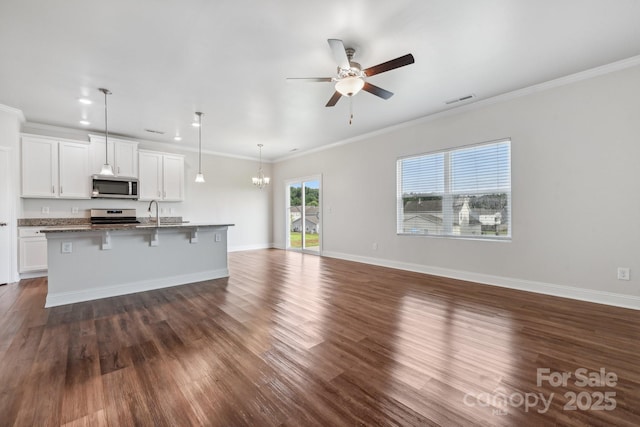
[[120, 227], [62, 225]]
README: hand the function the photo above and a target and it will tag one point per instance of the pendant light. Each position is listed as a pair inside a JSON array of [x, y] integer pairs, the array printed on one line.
[[199, 176], [106, 168], [260, 180]]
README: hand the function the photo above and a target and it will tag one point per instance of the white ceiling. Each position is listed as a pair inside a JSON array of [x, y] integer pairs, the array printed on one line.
[[163, 60]]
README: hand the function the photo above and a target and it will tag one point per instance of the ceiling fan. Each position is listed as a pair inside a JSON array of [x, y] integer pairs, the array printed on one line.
[[351, 78]]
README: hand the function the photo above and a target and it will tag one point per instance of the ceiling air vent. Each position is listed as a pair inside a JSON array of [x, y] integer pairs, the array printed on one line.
[[461, 99], [159, 132]]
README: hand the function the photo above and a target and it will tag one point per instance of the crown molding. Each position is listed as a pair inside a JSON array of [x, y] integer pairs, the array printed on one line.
[[147, 144], [481, 103], [14, 111]]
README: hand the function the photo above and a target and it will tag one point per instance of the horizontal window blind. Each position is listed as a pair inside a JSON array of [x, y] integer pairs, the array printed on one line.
[[463, 192]]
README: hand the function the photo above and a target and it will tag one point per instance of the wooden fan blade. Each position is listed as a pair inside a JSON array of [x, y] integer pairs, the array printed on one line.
[[334, 99], [390, 65], [339, 53], [377, 91], [311, 79]]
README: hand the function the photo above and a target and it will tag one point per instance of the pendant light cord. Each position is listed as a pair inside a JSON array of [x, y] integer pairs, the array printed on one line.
[[106, 130], [200, 143]]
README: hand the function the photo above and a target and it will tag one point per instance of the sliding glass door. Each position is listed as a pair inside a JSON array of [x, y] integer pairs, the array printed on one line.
[[303, 214]]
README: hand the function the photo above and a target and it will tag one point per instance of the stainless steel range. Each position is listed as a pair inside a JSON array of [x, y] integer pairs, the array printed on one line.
[[113, 216]]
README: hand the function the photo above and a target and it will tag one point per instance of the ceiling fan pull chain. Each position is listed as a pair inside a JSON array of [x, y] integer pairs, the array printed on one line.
[[350, 109]]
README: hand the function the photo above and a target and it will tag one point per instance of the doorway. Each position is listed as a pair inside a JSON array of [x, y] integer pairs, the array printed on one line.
[[304, 219]]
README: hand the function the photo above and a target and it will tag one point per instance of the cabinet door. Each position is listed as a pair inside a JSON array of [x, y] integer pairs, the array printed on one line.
[[39, 167], [75, 182], [98, 156], [126, 159], [33, 254], [173, 178], [150, 175]]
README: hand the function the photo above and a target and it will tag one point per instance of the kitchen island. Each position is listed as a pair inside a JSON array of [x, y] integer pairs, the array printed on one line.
[[88, 262]]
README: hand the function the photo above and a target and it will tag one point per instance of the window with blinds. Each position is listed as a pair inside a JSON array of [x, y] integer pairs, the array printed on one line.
[[463, 192]]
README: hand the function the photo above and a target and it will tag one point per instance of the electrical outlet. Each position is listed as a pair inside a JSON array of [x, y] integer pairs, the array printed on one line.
[[67, 247], [217, 238], [74, 210], [45, 209], [623, 273], [374, 246]]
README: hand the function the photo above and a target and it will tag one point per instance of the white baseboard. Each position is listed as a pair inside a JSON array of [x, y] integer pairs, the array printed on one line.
[[250, 247], [63, 298], [33, 274], [599, 297]]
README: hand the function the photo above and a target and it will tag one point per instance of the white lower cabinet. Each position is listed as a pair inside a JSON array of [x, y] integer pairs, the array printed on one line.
[[161, 176], [33, 249]]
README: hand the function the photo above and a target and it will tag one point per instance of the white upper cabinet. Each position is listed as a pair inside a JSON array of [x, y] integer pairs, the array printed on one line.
[[150, 181], [122, 155], [74, 180], [161, 176], [55, 169], [39, 167], [173, 178]]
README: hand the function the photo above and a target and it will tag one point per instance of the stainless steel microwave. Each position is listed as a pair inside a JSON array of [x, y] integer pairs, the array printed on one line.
[[113, 187]]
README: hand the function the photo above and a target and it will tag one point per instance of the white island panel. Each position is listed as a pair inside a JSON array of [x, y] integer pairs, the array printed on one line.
[[83, 268]]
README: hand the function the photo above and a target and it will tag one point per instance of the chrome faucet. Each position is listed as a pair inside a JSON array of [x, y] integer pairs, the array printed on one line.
[[157, 211]]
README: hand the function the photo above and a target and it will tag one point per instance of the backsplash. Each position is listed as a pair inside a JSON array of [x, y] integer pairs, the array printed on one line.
[[48, 222]]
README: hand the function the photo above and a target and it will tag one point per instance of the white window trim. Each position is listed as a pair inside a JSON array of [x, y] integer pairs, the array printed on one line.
[[448, 194]]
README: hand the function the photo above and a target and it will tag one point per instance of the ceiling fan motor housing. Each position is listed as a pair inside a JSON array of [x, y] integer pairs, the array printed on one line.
[[354, 71]]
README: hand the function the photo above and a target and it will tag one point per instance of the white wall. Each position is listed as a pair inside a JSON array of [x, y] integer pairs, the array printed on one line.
[[227, 196], [575, 183]]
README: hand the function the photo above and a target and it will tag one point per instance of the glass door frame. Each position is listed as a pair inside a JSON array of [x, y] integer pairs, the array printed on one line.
[[287, 186]]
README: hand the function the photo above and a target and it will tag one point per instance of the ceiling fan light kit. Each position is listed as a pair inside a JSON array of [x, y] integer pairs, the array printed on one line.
[[349, 86]]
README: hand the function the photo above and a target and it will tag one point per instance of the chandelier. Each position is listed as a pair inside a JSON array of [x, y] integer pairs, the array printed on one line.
[[260, 180]]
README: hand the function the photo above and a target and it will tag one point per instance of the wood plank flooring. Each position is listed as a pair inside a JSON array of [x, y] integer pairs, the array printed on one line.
[[299, 340]]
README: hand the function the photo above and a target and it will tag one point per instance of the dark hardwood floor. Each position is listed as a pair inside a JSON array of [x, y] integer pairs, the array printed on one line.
[[300, 340]]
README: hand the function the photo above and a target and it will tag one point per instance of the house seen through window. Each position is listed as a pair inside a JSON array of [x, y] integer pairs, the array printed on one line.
[[462, 192]]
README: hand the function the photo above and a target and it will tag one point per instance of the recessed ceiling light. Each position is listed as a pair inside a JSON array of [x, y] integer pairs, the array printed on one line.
[[85, 122], [177, 138], [85, 101]]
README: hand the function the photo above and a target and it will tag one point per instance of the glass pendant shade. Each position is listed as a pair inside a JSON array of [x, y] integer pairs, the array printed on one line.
[[200, 177], [106, 169], [349, 86]]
